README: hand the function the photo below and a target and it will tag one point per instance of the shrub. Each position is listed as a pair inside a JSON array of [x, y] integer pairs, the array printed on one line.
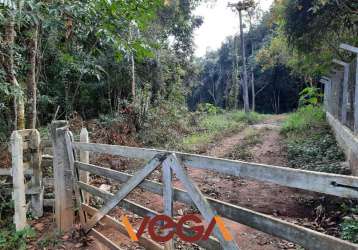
[[209, 109], [165, 125], [310, 96]]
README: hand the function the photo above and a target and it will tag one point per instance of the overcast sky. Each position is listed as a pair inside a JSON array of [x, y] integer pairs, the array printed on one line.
[[219, 22]]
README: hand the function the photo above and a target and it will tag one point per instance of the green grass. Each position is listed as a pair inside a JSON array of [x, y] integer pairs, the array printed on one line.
[[10, 239], [212, 126], [50, 240], [305, 118]]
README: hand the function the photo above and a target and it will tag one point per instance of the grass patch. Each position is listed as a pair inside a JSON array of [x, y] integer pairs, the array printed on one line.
[[306, 118], [213, 126], [242, 150], [50, 240], [10, 239], [247, 118]]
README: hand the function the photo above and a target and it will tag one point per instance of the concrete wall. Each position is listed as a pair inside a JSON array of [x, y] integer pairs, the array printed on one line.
[[347, 140]]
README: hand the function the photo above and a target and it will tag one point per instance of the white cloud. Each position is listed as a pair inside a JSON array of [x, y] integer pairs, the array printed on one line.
[[219, 22]]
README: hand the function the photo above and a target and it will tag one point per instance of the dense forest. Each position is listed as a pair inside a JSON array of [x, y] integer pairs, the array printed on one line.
[[288, 48], [94, 58]]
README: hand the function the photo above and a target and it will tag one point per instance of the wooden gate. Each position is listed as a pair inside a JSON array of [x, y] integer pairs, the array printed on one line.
[[174, 162]]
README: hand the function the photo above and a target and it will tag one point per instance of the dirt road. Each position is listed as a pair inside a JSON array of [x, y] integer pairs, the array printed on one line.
[[262, 197]]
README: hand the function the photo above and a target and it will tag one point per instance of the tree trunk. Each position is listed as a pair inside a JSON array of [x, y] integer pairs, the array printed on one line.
[[133, 78], [253, 91], [132, 67], [7, 62], [31, 79], [245, 84]]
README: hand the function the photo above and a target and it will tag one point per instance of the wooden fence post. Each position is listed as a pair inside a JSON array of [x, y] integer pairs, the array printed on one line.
[[327, 92], [345, 99], [168, 195], [354, 50], [335, 93], [18, 194], [36, 180], [356, 101], [84, 157], [63, 182]]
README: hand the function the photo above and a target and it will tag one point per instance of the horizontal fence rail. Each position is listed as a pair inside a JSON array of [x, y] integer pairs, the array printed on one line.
[[332, 184], [135, 208], [304, 237]]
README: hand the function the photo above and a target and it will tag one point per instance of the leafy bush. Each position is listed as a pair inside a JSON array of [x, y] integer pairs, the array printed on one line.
[[209, 109], [310, 96], [9, 239], [350, 230], [307, 117], [165, 125]]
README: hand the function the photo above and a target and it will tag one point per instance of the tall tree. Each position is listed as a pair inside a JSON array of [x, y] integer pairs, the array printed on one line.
[[240, 7], [32, 48], [7, 61]]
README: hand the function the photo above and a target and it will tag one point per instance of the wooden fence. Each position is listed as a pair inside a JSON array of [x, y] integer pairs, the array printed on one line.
[[341, 104], [30, 180], [26, 172], [175, 162]]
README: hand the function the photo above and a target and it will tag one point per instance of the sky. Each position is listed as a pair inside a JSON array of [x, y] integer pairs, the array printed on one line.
[[219, 23]]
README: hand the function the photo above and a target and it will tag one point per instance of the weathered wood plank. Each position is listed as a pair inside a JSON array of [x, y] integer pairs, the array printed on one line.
[[345, 97], [167, 196], [18, 181], [45, 144], [75, 177], [305, 237], [327, 93], [349, 48], [200, 201], [49, 203], [302, 179], [84, 157], [64, 207], [5, 171], [211, 244], [356, 101], [125, 190], [48, 181], [36, 180], [143, 241], [105, 241]]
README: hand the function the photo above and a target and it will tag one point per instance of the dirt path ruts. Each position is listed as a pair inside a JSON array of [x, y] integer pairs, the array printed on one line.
[[262, 197]]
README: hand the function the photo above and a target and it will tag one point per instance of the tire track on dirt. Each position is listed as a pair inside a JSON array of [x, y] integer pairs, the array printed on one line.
[[272, 199]]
